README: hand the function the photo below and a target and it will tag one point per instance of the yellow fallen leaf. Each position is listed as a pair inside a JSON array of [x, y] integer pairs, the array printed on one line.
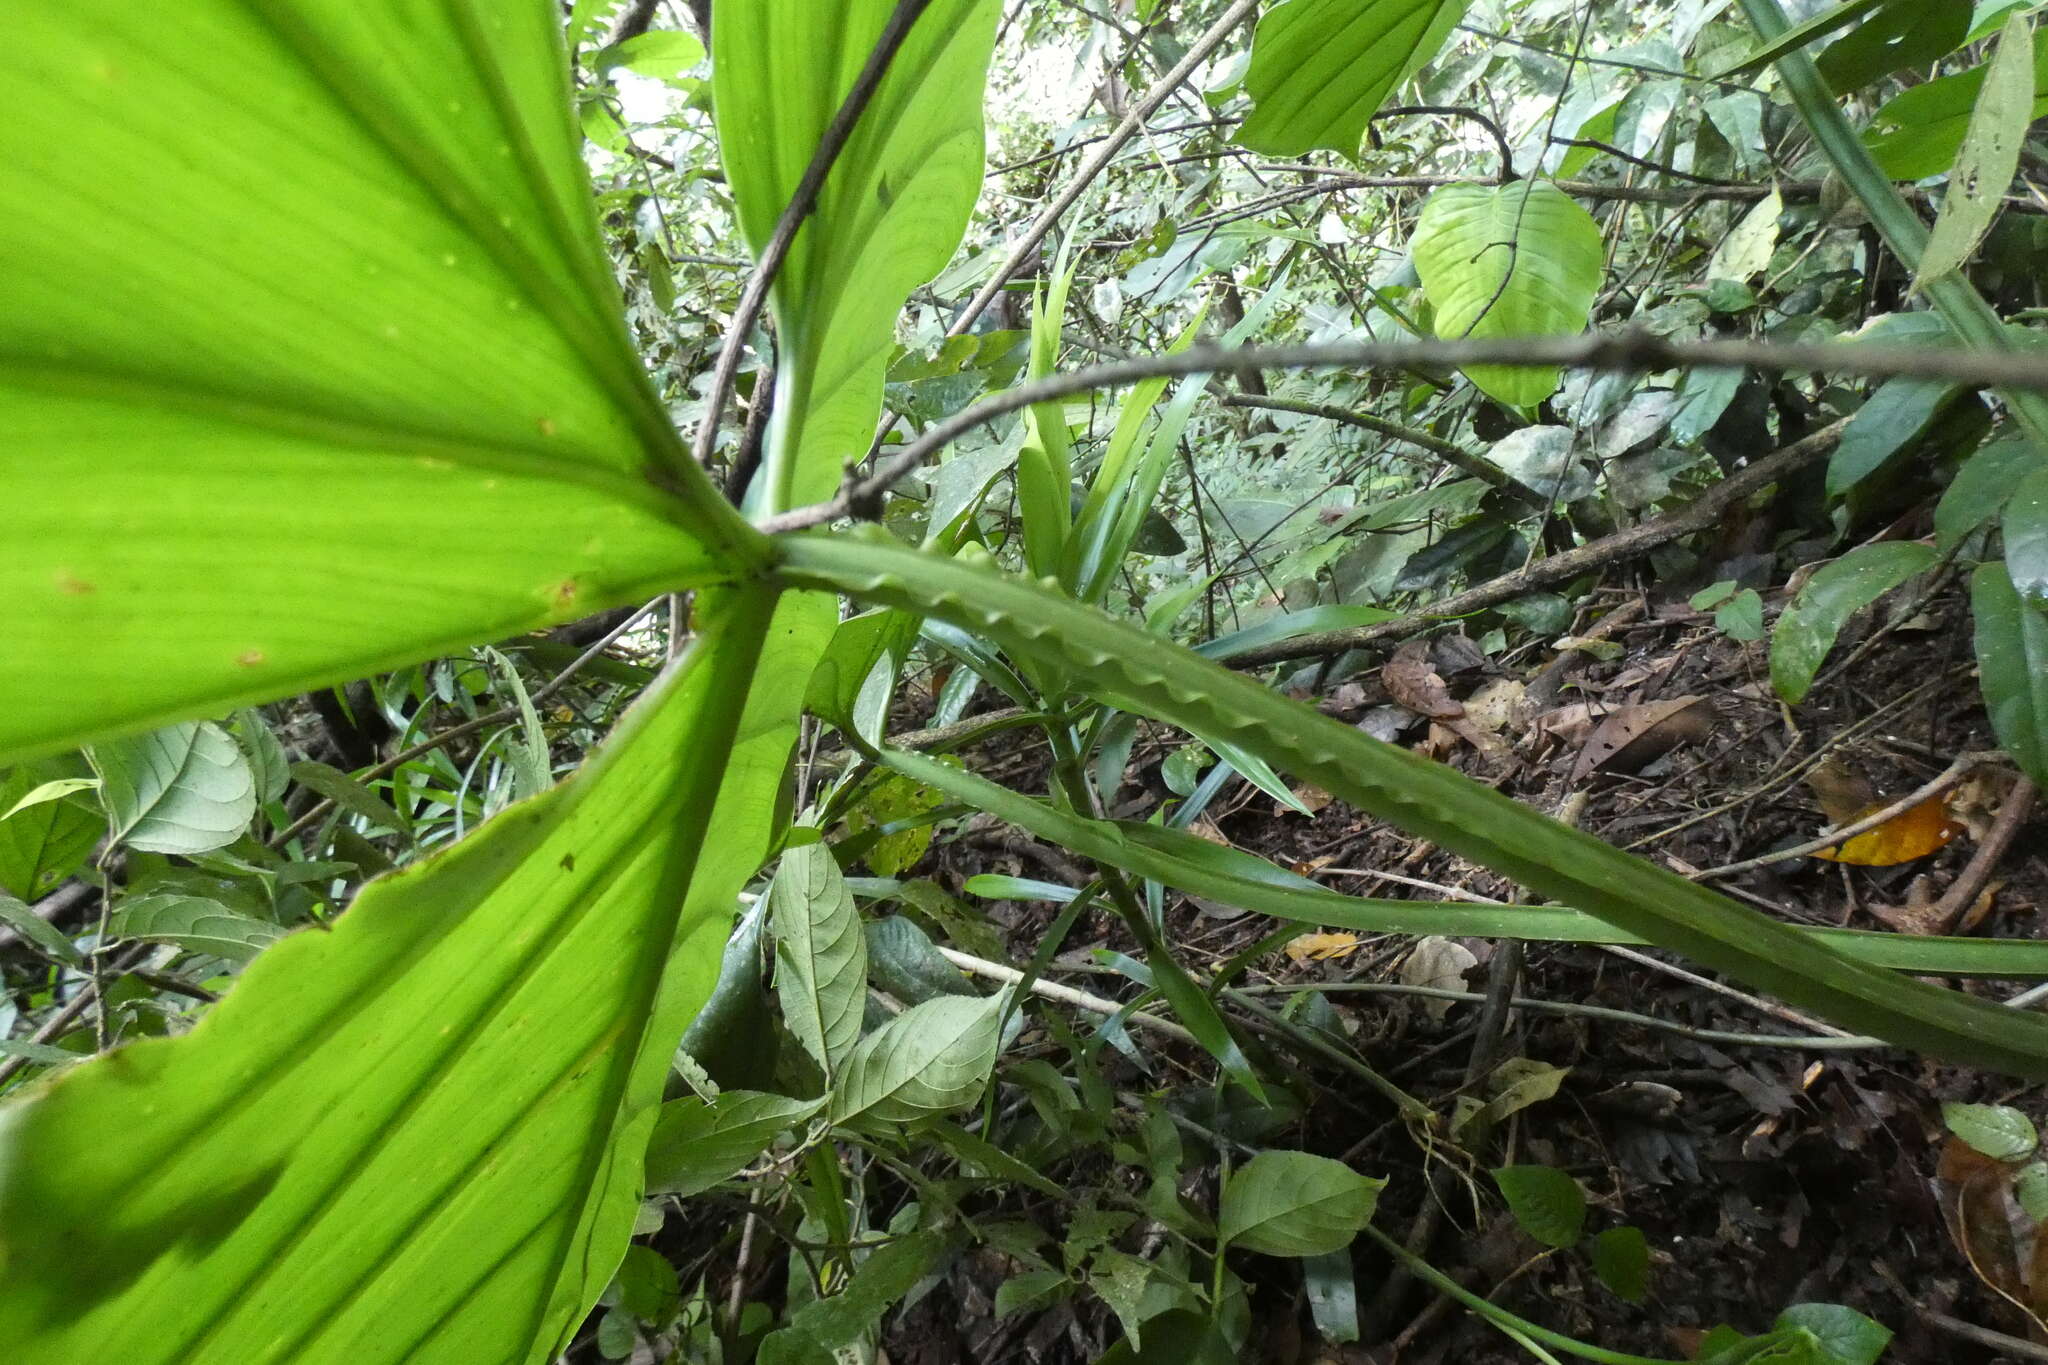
[[1913, 833], [1321, 947]]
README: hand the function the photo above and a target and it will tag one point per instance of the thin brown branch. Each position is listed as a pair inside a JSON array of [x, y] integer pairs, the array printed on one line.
[[1456, 456], [1627, 350], [801, 203]]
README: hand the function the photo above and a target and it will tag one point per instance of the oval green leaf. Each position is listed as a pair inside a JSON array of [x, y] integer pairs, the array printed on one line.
[[183, 789], [2012, 664], [1295, 1204], [1508, 261], [1547, 1202]]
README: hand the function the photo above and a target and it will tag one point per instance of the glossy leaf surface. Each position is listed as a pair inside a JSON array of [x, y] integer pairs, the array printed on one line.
[[1807, 630], [296, 346], [416, 1136]]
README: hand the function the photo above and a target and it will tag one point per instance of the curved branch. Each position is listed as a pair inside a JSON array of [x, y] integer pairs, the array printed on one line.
[[1628, 351]]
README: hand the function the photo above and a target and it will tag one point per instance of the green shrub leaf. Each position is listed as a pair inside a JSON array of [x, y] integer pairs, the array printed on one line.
[[183, 789], [1621, 1258], [1990, 154], [2012, 663], [1295, 1204], [1321, 68], [931, 1059], [821, 956], [1508, 261], [1807, 630], [1999, 1132], [1547, 1202]]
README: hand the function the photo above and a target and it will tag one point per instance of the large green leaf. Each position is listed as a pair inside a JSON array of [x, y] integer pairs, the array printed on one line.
[[929, 1059], [1427, 799], [310, 359], [2012, 657], [1321, 68], [1506, 261], [417, 1136], [1918, 132], [889, 216]]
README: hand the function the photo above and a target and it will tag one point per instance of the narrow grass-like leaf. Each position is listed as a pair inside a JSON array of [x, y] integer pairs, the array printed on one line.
[[1427, 799], [1234, 877], [416, 1136]]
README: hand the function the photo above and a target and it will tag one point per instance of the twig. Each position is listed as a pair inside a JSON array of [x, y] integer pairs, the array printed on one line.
[[2019, 803], [1983, 1336], [1706, 983], [1197, 53], [1948, 777], [1630, 350], [1066, 995], [805, 198], [1477, 466]]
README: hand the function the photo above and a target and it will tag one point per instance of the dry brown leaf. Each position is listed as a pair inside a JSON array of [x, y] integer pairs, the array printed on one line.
[[1498, 705], [1636, 736], [1438, 963], [1202, 827], [1975, 1194], [1310, 796], [1321, 947], [1411, 681]]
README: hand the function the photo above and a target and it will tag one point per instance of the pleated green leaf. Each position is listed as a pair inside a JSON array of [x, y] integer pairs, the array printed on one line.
[[417, 1136], [310, 360], [1321, 68], [888, 219], [1508, 261]]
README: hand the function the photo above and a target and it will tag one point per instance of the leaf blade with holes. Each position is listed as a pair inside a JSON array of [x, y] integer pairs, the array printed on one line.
[[430, 324], [1295, 1204], [415, 1136], [1990, 154]]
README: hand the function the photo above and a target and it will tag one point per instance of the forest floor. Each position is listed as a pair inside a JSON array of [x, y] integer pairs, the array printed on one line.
[[1761, 1174]]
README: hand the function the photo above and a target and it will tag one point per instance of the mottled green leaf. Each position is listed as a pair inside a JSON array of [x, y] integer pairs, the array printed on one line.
[[1989, 157]]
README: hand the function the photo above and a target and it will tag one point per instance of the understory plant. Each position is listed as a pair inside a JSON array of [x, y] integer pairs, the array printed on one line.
[[313, 367]]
